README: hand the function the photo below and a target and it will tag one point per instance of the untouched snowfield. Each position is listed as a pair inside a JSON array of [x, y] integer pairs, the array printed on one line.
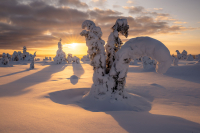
[[47, 99]]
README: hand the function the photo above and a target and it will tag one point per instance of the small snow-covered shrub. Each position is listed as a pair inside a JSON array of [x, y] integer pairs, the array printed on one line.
[[175, 61], [190, 57], [37, 59], [85, 58], [76, 60], [32, 61], [69, 58], [148, 63], [4, 59], [197, 57], [134, 62]]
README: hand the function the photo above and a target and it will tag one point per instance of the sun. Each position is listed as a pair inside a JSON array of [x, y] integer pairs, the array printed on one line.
[[73, 45]]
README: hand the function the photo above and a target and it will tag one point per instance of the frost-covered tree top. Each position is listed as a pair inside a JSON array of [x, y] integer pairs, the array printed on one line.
[[121, 26]]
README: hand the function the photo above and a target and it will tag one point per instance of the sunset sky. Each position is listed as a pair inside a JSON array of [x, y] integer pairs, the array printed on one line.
[[39, 24]]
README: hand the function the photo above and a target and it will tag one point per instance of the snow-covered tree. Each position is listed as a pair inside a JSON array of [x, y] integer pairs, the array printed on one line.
[[96, 53], [179, 56], [184, 55], [60, 54], [114, 42], [69, 58], [32, 61], [15, 56], [76, 60], [134, 62], [113, 83], [190, 57], [197, 57], [85, 58], [175, 61], [133, 48], [148, 63], [4, 59]]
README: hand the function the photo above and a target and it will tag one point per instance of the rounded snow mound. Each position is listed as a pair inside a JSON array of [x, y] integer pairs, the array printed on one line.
[[81, 98]]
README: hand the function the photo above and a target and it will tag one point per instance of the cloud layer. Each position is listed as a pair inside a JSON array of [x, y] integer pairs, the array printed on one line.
[[40, 24]]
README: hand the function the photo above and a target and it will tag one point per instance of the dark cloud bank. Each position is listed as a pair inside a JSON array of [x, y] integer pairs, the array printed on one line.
[[41, 24]]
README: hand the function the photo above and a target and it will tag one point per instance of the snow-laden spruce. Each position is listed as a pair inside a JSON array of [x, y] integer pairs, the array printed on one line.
[[60, 54], [190, 57], [197, 57], [25, 56], [4, 59], [175, 61], [179, 55], [112, 84], [69, 58], [85, 58], [114, 42], [32, 61], [184, 55], [76, 60], [96, 53]]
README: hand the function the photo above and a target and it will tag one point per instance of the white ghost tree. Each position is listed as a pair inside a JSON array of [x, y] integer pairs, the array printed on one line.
[[96, 53], [32, 61], [190, 57], [113, 83], [147, 62], [4, 59], [60, 54], [175, 61], [197, 57], [114, 42], [179, 55], [184, 55]]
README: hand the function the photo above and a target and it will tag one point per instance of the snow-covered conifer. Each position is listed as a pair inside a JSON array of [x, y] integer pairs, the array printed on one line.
[[60, 54], [190, 57], [179, 56], [175, 61], [184, 55], [69, 58], [114, 42], [197, 57], [96, 53], [32, 61], [85, 58], [4, 59]]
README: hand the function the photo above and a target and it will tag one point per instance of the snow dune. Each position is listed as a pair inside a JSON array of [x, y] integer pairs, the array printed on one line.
[[46, 99]]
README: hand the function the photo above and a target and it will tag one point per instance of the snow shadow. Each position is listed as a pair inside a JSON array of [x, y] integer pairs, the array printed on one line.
[[188, 73], [17, 87], [15, 73], [144, 122], [75, 97], [78, 72], [133, 121]]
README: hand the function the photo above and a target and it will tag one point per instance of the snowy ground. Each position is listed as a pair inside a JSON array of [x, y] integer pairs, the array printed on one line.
[[46, 99]]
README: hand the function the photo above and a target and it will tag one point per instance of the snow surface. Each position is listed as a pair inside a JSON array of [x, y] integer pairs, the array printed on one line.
[[45, 100]]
